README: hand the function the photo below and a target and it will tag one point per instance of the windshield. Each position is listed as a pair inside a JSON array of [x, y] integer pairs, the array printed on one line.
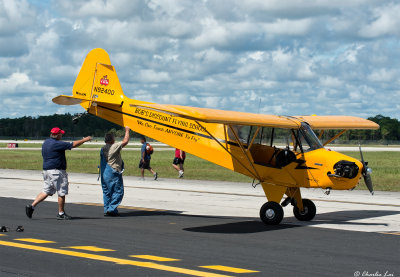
[[298, 140], [309, 140]]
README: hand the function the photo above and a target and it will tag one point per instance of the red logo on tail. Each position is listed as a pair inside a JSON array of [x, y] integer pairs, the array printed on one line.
[[104, 81]]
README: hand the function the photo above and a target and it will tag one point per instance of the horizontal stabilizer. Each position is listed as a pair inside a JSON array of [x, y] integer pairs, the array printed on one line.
[[71, 100], [68, 100]]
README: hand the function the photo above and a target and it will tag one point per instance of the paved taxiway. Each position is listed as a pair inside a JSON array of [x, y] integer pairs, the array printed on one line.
[[180, 226]]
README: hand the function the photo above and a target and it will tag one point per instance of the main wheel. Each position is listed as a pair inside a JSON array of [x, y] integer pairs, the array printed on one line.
[[309, 211], [271, 213]]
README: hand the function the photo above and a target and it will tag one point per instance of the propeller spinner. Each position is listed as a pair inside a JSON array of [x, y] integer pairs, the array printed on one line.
[[366, 172]]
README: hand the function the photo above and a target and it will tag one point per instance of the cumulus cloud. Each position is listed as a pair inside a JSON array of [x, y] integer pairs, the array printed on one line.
[[288, 57], [385, 21]]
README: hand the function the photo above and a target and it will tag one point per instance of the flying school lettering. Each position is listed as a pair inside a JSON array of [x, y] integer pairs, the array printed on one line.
[[104, 90], [169, 119], [162, 129], [153, 115]]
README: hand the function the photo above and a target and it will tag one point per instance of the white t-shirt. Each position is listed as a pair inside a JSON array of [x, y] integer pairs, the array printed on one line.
[[112, 153]]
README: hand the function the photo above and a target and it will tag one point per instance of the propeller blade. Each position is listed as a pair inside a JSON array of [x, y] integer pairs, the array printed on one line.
[[362, 160], [366, 173], [368, 182]]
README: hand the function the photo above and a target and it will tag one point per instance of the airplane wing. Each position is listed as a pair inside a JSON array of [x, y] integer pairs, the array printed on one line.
[[223, 117], [338, 122]]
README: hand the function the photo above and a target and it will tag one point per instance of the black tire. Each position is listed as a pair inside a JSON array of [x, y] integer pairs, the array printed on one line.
[[271, 213], [309, 211]]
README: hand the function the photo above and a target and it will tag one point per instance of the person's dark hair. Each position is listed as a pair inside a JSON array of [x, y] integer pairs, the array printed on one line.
[[143, 138], [109, 137]]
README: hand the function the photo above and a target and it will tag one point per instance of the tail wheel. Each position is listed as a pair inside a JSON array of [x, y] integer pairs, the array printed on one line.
[[271, 213], [309, 211]]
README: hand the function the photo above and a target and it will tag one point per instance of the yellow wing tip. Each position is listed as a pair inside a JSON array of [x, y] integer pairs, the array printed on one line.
[[339, 122]]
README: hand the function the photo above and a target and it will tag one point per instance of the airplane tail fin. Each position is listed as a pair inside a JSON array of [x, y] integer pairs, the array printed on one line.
[[97, 81]]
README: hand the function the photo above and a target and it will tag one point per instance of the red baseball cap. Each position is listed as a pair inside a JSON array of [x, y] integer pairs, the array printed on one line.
[[56, 131]]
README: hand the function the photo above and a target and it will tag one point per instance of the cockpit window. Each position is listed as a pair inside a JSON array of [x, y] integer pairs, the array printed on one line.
[[308, 139], [297, 140]]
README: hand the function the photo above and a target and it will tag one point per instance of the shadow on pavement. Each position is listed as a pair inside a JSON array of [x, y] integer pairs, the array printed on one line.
[[242, 227], [348, 217], [254, 226]]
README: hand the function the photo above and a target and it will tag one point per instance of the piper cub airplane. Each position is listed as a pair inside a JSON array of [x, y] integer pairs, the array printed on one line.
[[281, 152]]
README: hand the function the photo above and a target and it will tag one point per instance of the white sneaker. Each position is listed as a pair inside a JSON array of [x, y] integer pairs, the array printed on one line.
[[180, 174]]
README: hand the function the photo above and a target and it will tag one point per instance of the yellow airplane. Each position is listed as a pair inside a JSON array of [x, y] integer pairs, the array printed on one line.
[[281, 152]]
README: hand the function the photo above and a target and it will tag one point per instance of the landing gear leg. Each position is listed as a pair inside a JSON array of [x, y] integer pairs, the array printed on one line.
[[303, 209], [308, 213], [271, 213]]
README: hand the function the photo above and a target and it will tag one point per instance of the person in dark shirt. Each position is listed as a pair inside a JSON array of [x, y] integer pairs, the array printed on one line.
[[145, 158], [54, 171]]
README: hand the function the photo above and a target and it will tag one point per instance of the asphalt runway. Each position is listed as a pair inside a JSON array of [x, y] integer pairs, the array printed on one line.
[[167, 243]]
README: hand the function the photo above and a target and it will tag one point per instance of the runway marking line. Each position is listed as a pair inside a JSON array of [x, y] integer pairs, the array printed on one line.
[[229, 269], [124, 207], [35, 240], [154, 258], [89, 248], [391, 233], [120, 261]]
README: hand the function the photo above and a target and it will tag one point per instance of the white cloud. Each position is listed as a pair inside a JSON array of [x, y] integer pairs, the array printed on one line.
[[383, 75], [289, 27], [151, 76], [386, 22], [329, 81], [297, 56], [9, 85]]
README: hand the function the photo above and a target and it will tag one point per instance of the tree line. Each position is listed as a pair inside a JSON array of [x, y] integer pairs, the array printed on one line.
[[39, 127], [389, 132]]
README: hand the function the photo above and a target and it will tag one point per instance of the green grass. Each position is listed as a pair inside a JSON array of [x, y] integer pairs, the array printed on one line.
[[87, 162], [385, 169], [385, 175]]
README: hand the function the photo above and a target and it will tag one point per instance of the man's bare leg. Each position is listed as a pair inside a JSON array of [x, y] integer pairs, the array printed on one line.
[[142, 172], [176, 167], [61, 204], [152, 171], [41, 196]]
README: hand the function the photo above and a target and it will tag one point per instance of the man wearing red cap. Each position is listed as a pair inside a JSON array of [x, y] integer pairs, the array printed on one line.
[[54, 170]]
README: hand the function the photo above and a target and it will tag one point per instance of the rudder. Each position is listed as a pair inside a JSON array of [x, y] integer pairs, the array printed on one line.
[[97, 80]]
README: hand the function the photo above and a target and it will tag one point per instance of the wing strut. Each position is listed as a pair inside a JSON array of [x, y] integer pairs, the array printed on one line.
[[255, 175], [334, 137], [254, 137], [320, 134], [249, 159]]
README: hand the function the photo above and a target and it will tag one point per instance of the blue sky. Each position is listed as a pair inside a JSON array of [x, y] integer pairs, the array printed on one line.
[[299, 57]]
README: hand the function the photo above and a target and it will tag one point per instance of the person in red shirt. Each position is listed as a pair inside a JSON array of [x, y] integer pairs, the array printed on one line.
[[178, 162]]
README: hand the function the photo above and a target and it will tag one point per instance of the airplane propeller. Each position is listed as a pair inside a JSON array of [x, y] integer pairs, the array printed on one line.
[[366, 172]]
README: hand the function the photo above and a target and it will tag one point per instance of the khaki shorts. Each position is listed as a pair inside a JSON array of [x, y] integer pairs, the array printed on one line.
[[55, 180]]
